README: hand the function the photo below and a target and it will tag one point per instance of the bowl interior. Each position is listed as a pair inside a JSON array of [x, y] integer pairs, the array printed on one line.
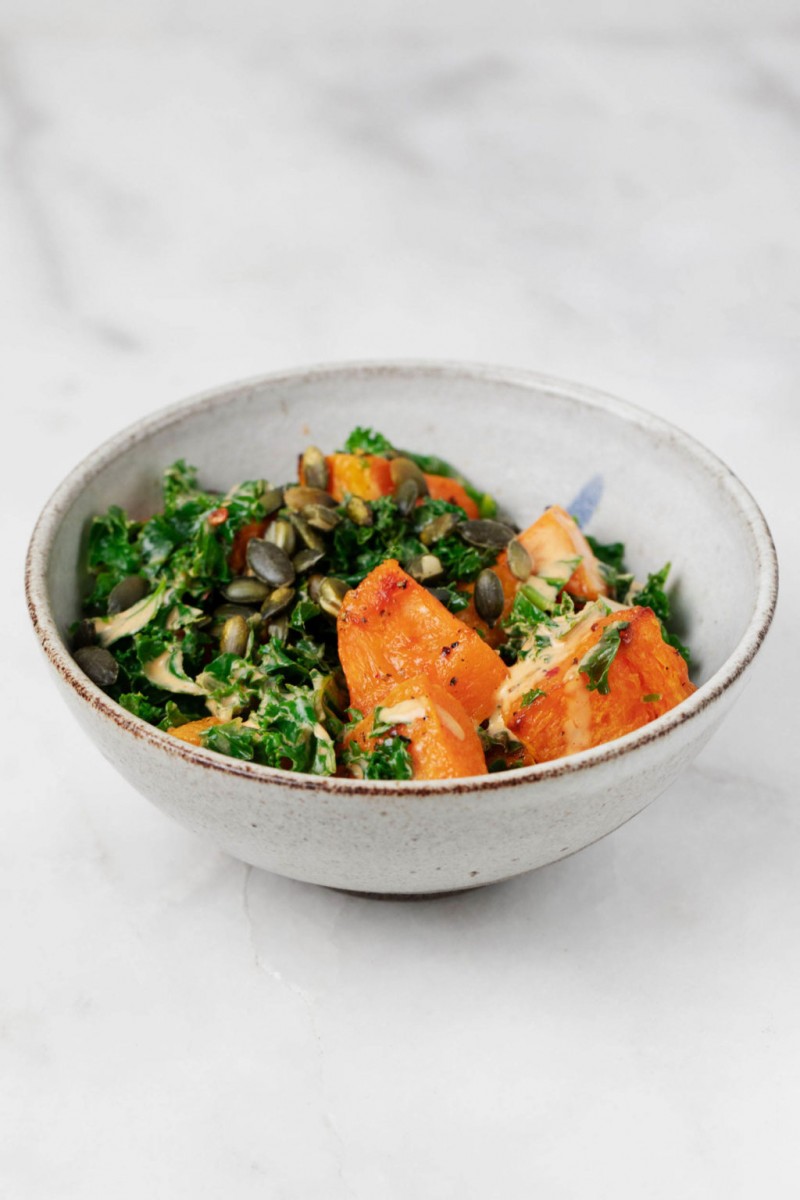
[[530, 441]]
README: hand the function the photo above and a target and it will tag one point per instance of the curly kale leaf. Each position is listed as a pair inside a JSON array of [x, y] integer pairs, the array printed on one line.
[[113, 554], [596, 664], [364, 440], [653, 595], [529, 625], [389, 759]]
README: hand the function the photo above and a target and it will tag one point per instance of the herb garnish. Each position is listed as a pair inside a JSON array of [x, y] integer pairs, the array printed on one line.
[[596, 663]]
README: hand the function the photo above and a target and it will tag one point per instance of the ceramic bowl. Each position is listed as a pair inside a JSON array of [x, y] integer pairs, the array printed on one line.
[[531, 441]]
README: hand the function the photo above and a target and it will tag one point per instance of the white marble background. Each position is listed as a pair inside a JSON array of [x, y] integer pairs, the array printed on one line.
[[195, 193]]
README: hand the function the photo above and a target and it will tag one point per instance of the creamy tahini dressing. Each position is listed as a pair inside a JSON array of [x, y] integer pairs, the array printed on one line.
[[166, 671], [578, 727], [403, 713], [129, 621], [530, 673], [449, 722]]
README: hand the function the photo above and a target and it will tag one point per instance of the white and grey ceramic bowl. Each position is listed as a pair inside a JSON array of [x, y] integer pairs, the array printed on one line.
[[531, 441]]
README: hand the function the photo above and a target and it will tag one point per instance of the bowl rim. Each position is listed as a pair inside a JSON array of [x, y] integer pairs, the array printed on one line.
[[707, 693]]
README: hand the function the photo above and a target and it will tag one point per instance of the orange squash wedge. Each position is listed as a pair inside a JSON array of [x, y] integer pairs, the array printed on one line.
[[390, 628], [554, 541], [190, 732], [549, 706], [443, 742]]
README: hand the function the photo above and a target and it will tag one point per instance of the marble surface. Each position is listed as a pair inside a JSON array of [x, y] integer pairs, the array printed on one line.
[[189, 196]]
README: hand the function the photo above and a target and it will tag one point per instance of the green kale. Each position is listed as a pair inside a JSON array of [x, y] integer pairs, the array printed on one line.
[[113, 554], [596, 662], [358, 549], [291, 732], [390, 759], [140, 706], [364, 440], [284, 732], [528, 622], [610, 553], [232, 738], [653, 595], [611, 560], [532, 695]]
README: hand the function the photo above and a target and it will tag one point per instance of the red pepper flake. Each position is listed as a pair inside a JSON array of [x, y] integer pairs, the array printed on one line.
[[218, 517]]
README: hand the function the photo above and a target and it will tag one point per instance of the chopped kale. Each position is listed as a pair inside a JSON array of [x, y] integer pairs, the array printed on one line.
[[610, 553], [364, 440], [596, 663], [390, 759], [530, 626], [654, 596]]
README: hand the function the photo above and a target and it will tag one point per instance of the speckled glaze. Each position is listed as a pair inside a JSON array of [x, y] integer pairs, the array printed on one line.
[[532, 441]]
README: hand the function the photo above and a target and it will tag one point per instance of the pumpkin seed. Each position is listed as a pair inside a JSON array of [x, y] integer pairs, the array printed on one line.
[[272, 500], [99, 664], [493, 534], [402, 469], [298, 497], [279, 628], [314, 468], [269, 563], [331, 594], [519, 561], [312, 539], [282, 534], [406, 497], [307, 558], [489, 596], [85, 634], [234, 636], [224, 611], [128, 591], [426, 568], [245, 589], [277, 602], [438, 528], [359, 512], [314, 584], [321, 517]]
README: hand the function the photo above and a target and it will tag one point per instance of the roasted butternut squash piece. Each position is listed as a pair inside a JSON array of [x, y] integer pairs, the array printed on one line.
[[554, 542], [441, 487], [191, 731], [390, 628], [369, 476], [443, 741], [608, 676], [364, 475], [238, 552]]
